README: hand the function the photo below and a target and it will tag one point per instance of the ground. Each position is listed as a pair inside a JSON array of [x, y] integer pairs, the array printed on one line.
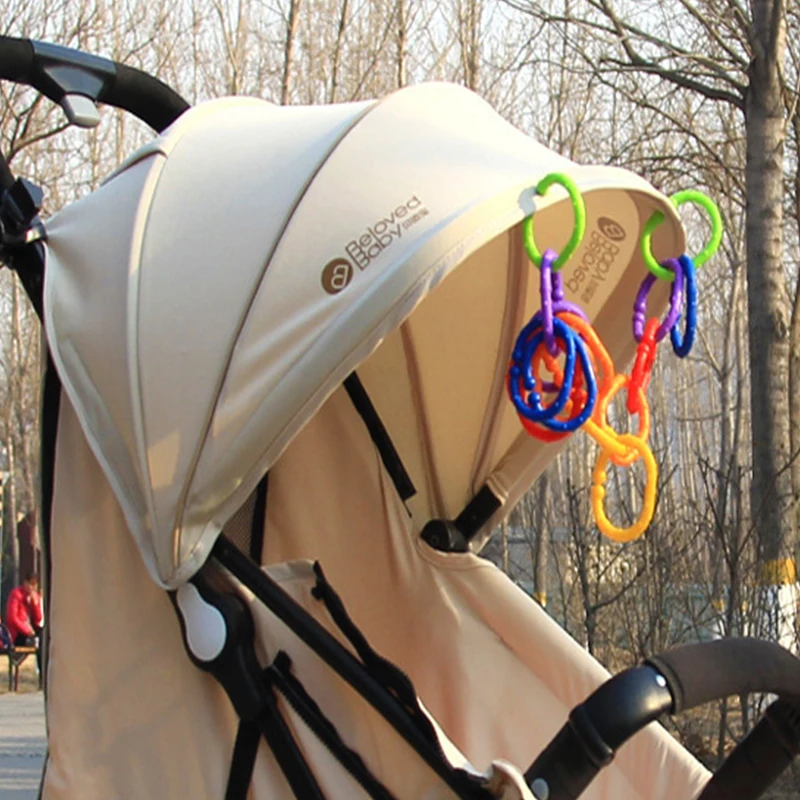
[[22, 735]]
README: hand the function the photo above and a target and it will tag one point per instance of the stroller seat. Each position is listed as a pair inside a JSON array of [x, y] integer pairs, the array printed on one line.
[[495, 672]]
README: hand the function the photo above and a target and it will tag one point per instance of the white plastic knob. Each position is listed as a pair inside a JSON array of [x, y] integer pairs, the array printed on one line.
[[205, 626]]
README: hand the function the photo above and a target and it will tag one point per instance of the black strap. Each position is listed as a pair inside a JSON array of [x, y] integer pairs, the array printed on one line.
[[380, 437], [243, 761], [280, 675], [259, 520], [388, 674], [346, 665]]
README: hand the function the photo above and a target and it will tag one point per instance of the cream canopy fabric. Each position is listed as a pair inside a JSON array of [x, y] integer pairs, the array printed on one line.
[[205, 301]]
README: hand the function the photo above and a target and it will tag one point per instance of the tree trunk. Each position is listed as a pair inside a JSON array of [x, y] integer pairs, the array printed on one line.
[[469, 26], [402, 43], [540, 561], [337, 52], [794, 357], [771, 491], [288, 55]]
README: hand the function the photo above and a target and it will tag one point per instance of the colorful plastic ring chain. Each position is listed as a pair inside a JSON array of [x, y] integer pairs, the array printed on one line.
[[551, 290], [572, 424], [621, 456], [521, 372], [579, 228]]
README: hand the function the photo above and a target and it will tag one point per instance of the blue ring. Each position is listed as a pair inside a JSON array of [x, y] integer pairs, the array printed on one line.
[[524, 349], [570, 425], [682, 344]]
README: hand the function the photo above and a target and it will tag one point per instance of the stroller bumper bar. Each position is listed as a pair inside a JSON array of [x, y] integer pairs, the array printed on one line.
[[596, 728], [676, 681]]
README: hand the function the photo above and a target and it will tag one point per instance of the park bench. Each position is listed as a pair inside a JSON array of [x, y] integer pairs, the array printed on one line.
[[16, 657]]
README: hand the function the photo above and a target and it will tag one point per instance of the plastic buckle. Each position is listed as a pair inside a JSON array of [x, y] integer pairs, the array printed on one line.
[[219, 636]]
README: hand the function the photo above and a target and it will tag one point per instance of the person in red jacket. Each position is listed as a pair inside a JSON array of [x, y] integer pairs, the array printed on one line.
[[24, 618]]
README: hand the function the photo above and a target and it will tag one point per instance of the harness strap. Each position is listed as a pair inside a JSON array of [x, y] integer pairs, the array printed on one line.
[[281, 677], [353, 671], [288, 755], [380, 437], [388, 675]]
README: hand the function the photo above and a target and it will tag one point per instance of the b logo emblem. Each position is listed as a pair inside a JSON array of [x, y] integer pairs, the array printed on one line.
[[337, 275], [611, 229]]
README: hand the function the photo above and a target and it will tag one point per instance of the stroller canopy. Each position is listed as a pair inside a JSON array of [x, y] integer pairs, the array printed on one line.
[[205, 301]]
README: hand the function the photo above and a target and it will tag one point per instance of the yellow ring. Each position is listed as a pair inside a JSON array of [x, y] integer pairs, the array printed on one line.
[[599, 476]]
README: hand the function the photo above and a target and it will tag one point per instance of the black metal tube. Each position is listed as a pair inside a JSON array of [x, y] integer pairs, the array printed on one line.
[[760, 758]]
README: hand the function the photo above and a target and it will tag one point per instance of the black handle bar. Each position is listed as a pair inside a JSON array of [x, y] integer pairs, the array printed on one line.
[[675, 681], [57, 71]]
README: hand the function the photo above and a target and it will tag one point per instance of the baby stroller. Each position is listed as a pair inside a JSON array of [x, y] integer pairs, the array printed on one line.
[[275, 438]]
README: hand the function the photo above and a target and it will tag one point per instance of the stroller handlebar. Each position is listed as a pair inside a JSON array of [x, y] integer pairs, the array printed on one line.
[[76, 80], [145, 97], [675, 681]]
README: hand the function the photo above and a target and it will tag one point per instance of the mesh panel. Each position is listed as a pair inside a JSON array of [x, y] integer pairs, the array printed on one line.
[[240, 525]]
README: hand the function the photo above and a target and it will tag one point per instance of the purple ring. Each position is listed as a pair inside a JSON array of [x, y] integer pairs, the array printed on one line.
[[675, 302], [546, 291], [560, 305], [554, 304]]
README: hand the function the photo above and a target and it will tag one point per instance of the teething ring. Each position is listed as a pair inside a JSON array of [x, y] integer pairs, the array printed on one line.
[[597, 350], [590, 394], [682, 344], [675, 301], [521, 375]]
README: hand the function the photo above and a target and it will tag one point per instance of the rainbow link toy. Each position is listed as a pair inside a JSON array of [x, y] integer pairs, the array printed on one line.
[[559, 354]]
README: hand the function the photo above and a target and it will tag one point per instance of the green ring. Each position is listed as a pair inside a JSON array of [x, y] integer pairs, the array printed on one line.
[[579, 210], [678, 199]]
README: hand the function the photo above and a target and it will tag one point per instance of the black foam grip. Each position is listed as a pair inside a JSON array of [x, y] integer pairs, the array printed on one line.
[[700, 673], [16, 64], [144, 96], [130, 89], [16, 59]]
